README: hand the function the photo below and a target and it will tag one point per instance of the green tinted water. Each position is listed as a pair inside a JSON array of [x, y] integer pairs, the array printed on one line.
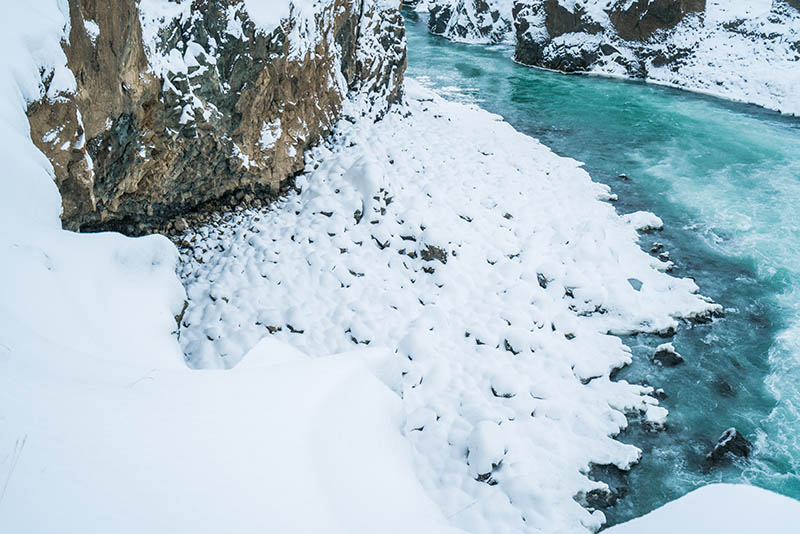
[[725, 178]]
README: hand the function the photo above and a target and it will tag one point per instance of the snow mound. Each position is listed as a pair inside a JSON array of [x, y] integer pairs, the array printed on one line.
[[103, 428], [729, 508], [439, 233]]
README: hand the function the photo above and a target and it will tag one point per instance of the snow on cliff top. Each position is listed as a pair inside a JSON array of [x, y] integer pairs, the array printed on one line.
[[728, 508]]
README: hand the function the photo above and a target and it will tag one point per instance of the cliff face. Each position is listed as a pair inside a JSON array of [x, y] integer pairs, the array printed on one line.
[[572, 37], [469, 20], [185, 105]]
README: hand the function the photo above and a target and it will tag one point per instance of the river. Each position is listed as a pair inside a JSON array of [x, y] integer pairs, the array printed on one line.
[[725, 178]]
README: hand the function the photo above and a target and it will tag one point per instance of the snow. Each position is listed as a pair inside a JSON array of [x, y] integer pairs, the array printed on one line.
[[437, 235], [270, 133], [102, 425], [486, 313], [733, 58], [728, 508], [288, 444], [92, 29]]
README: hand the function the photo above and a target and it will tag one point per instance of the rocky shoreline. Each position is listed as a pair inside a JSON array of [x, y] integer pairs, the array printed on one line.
[[748, 52]]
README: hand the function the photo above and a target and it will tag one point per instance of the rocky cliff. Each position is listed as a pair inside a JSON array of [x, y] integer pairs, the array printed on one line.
[[189, 104], [747, 51]]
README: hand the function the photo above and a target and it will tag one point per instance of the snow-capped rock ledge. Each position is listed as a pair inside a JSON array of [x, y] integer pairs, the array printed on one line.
[[490, 268], [743, 51]]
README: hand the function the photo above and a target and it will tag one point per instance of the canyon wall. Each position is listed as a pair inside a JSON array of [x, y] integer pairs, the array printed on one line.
[[195, 104]]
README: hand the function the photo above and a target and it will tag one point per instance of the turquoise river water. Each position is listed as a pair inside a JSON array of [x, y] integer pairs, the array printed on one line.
[[725, 178]]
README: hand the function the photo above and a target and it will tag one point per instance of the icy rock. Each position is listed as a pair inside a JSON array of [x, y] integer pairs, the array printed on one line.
[[731, 442], [667, 356], [644, 221], [487, 445]]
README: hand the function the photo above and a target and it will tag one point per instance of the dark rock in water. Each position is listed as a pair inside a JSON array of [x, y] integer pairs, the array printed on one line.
[[601, 498], [731, 443], [723, 387], [667, 356], [622, 176]]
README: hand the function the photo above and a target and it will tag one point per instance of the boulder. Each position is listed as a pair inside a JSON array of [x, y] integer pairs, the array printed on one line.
[[730, 443], [667, 356]]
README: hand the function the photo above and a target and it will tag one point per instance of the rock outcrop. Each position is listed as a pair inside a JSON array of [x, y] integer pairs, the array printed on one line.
[[485, 21], [575, 37], [747, 51], [182, 105], [730, 443]]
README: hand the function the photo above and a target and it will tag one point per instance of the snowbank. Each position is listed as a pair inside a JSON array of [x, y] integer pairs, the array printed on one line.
[[284, 444], [103, 428], [728, 508], [491, 269]]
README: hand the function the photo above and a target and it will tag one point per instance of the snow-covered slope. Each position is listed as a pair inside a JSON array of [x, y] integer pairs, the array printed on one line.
[[103, 428], [728, 508], [490, 268], [437, 235]]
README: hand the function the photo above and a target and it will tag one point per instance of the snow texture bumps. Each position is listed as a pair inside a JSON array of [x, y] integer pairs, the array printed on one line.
[[489, 267]]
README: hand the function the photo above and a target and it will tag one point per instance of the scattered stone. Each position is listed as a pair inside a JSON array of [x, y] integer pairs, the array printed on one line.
[[723, 387], [731, 443], [601, 498], [430, 253], [667, 356]]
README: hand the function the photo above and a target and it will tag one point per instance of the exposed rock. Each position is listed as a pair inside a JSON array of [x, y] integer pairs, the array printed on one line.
[[472, 20], [731, 443], [431, 252], [213, 112], [667, 356], [642, 18]]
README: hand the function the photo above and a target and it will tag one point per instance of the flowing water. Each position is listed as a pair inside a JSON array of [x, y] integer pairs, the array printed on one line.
[[725, 178]]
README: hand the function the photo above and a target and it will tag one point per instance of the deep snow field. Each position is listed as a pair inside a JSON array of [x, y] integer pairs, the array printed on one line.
[[490, 268], [484, 272]]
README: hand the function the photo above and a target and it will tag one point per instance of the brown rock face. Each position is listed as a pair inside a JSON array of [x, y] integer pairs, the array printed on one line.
[[559, 20], [138, 144], [645, 17]]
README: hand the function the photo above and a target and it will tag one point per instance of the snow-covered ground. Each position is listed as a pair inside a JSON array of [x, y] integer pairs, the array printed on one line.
[[103, 428], [484, 272], [743, 51], [490, 268], [728, 508]]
